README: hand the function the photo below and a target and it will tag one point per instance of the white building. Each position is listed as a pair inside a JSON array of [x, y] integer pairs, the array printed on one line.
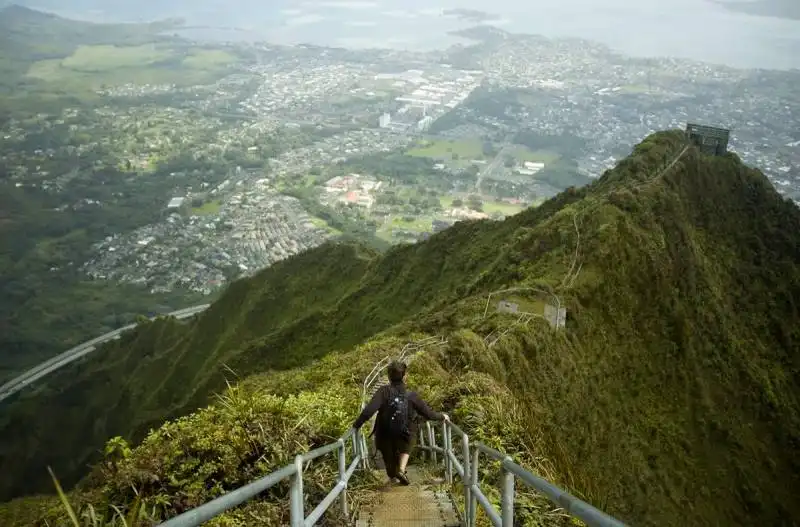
[[424, 123], [174, 203], [385, 120], [533, 167]]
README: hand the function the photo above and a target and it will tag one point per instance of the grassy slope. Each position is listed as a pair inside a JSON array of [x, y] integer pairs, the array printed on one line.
[[27, 36], [672, 395], [149, 374], [683, 334], [46, 60]]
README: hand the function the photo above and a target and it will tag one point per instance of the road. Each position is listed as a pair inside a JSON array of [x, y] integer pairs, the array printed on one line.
[[494, 165], [71, 355]]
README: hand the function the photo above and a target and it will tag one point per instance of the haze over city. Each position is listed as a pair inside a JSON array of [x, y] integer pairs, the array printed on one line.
[[713, 31]]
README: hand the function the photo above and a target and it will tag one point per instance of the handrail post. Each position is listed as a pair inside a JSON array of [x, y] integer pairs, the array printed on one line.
[[425, 453], [365, 442], [296, 512], [474, 481], [356, 444], [465, 480], [342, 476], [507, 497], [362, 445], [448, 447], [431, 441]]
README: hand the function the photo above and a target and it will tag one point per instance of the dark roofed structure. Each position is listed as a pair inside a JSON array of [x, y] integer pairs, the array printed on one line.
[[709, 139]]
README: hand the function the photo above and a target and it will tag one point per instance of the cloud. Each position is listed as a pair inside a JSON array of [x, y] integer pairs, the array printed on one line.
[[360, 23], [347, 4], [396, 13], [303, 20]]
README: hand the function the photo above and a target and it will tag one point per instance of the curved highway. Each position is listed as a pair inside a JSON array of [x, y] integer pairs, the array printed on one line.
[[51, 365]]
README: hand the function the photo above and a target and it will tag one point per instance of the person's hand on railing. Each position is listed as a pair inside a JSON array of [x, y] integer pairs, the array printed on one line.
[[445, 418]]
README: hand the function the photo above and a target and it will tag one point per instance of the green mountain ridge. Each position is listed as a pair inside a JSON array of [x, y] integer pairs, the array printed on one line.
[[670, 397], [27, 35]]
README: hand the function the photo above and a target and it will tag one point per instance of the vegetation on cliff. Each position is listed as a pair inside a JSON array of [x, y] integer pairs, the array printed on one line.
[[671, 396]]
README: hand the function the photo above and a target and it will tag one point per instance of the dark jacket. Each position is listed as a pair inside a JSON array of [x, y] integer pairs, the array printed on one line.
[[378, 404]]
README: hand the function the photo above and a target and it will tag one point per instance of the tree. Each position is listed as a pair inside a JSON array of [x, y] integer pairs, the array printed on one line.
[[458, 203]]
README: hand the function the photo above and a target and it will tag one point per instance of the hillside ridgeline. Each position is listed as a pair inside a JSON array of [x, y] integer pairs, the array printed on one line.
[[670, 398]]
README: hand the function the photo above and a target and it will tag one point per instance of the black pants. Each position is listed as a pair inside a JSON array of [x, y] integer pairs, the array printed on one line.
[[390, 449]]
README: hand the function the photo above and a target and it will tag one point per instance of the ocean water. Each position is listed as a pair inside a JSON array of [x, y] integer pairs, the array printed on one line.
[[694, 29]]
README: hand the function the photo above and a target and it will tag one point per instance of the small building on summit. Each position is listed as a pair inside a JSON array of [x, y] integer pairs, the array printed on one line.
[[709, 139]]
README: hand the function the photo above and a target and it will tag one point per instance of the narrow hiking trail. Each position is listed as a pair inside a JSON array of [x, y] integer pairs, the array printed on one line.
[[653, 180]]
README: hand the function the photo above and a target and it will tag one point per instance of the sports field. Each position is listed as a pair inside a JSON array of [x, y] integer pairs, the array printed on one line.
[[92, 67], [444, 149]]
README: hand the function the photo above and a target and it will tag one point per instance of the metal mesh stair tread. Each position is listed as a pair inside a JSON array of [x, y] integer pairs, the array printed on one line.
[[417, 504]]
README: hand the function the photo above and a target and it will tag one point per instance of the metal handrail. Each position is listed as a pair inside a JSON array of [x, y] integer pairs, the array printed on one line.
[[294, 471], [467, 470]]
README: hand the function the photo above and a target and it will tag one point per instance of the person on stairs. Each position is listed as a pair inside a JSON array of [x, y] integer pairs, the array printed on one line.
[[395, 428]]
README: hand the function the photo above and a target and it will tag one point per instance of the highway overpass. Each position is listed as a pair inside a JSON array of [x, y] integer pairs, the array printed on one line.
[[73, 354]]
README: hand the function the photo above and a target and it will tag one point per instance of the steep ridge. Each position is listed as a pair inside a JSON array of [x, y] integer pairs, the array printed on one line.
[[670, 397], [152, 372]]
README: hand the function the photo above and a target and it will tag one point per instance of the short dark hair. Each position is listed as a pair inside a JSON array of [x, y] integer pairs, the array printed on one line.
[[396, 371]]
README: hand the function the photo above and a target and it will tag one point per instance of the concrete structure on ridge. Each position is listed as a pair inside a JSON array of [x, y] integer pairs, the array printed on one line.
[[709, 139]]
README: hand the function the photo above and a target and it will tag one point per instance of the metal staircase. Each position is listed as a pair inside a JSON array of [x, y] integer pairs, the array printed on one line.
[[428, 501]]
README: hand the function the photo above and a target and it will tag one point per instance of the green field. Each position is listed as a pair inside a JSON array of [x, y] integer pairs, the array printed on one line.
[[92, 67], [208, 59], [489, 206], [635, 88], [105, 58], [208, 208], [522, 154], [420, 224], [444, 149], [322, 224], [507, 209]]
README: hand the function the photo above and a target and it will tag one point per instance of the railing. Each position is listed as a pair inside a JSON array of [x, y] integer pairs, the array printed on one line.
[[467, 470], [296, 498]]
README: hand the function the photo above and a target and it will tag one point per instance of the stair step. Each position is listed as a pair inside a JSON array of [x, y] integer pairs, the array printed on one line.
[[418, 504]]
